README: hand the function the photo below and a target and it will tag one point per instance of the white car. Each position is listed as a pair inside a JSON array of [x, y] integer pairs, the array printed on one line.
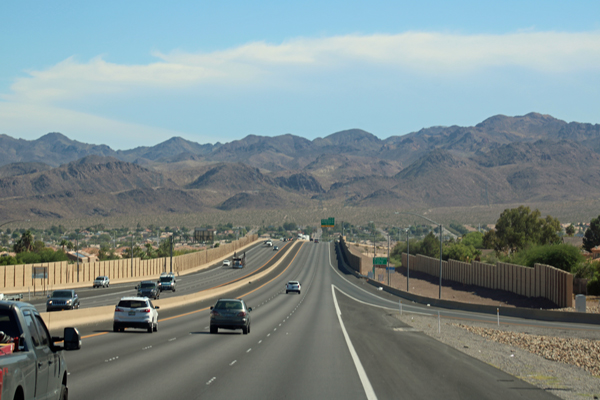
[[293, 286], [226, 263], [135, 312], [101, 281]]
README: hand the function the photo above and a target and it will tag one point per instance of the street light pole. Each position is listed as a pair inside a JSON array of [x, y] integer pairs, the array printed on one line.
[[77, 253], [440, 227], [407, 261], [132, 255]]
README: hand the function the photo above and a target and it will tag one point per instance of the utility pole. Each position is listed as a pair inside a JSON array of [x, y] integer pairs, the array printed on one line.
[[407, 261], [171, 253], [77, 254], [132, 255]]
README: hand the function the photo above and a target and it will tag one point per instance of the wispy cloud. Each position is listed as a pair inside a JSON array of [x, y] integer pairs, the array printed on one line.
[[423, 53]]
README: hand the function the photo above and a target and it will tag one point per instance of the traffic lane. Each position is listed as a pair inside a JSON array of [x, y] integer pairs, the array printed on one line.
[[403, 363], [360, 289], [302, 355], [104, 327], [188, 283], [177, 347]]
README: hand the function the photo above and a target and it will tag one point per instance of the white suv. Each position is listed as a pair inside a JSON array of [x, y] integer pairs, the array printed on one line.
[[292, 286], [135, 312]]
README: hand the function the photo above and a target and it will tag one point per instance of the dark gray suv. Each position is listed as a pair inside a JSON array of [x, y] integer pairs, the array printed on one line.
[[148, 289], [62, 300], [230, 314]]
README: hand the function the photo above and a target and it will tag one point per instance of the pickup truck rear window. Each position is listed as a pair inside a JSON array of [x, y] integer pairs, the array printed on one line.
[[8, 324]]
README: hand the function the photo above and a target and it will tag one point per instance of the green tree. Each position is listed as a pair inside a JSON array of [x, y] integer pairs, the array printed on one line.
[[460, 252], [561, 256], [519, 227], [430, 246], [591, 237], [474, 239], [25, 244], [570, 231], [290, 226]]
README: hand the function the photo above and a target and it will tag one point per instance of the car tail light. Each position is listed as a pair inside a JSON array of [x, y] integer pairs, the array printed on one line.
[[241, 314], [147, 310], [117, 309], [214, 314]]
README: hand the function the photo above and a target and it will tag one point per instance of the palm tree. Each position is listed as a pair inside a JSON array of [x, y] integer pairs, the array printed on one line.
[[25, 243], [63, 243]]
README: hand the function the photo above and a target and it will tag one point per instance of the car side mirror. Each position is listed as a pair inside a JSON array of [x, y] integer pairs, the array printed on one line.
[[72, 339], [48, 296], [135, 287], [156, 307], [211, 307]]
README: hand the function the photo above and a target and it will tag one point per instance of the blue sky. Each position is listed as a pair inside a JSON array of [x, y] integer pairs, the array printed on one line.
[[136, 73]]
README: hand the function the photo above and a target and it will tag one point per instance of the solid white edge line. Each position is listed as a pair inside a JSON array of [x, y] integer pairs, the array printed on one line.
[[369, 392]]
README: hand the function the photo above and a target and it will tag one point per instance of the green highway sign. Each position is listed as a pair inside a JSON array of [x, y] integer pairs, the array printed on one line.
[[379, 260], [328, 223]]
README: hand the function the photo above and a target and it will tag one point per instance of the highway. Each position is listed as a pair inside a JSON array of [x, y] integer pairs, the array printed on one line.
[[336, 340], [217, 274]]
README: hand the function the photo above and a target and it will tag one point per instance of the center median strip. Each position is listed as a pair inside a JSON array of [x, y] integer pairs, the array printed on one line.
[[86, 316]]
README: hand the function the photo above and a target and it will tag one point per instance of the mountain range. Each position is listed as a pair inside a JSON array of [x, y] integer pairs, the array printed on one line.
[[501, 160]]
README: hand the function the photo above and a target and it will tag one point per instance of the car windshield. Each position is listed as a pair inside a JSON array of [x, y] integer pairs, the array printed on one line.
[[132, 304], [229, 305], [100, 278], [62, 293], [166, 279], [147, 285]]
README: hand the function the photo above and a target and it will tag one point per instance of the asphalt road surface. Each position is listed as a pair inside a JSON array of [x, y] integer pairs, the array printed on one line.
[[336, 340]]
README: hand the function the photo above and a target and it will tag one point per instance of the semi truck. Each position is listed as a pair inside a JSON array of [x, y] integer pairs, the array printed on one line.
[[32, 363], [239, 262]]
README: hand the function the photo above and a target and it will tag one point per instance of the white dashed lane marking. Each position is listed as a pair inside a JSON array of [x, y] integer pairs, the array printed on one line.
[[233, 362]]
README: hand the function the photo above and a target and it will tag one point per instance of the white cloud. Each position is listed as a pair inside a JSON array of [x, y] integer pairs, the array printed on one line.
[[425, 53], [29, 122]]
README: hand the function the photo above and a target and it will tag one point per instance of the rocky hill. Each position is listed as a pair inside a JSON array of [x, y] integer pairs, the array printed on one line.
[[501, 160]]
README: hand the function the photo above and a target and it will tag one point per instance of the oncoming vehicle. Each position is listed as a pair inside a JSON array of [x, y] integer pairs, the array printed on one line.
[[292, 286], [230, 314], [135, 312], [166, 283], [62, 300], [101, 281], [148, 289]]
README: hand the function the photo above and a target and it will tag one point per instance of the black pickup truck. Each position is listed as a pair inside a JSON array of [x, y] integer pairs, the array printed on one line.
[[32, 364]]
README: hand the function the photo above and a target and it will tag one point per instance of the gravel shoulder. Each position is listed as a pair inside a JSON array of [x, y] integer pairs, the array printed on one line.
[[504, 347]]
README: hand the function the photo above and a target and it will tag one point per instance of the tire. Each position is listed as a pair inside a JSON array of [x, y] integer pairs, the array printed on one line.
[[150, 328], [173, 290], [156, 327], [245, 330], [298, 292], [248, 328], [286, 292], [214, 329], [64, 392]]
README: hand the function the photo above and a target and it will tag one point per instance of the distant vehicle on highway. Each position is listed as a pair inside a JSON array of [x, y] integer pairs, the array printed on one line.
[[167, 283], [148, 289], [239, 261], [135, 312], [230, 314], [269, 243], [316, 240], [293, 286], [101, 281], [62, 300], [226, 263], [275, 248]]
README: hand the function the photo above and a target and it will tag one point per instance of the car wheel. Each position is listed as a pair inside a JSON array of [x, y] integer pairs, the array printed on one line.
[[115, 329], [156, 327], [150, 328], [214, 329], [298, 292], [64, 392], [248, 328], [245, 330], [173, 290], [286, 292]]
